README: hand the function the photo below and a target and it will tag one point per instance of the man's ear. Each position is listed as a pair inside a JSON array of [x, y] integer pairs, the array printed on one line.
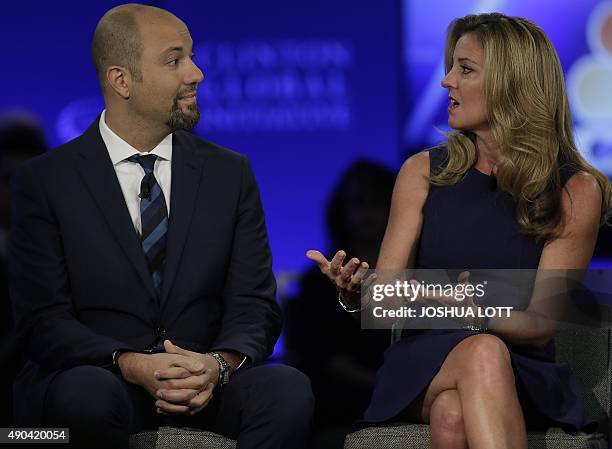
[[119, 79]]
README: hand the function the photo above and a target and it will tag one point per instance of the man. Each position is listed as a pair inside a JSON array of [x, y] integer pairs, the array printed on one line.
[[139, 264]]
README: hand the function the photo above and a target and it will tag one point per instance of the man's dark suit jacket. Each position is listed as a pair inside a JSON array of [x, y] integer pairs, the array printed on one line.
[[78, 276]]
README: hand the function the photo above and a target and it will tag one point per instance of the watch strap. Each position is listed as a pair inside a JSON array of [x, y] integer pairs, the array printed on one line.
[[224, 369]]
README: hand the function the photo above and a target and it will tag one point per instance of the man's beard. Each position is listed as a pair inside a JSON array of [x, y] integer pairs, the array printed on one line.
[[180, 120]]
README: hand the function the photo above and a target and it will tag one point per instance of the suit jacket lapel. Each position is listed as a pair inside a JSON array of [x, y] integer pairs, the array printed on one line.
[[187, 165], [99, 175]]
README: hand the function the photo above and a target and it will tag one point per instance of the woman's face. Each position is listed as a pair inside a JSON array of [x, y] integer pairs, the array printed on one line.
[[465, 84]]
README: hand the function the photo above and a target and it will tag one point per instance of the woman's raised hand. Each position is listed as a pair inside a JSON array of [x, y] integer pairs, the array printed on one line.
[[347, 278]]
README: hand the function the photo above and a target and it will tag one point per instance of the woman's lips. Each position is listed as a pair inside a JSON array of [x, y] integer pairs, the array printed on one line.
[[453, 104]]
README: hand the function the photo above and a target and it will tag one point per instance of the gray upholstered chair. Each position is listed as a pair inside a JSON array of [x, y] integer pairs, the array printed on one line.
[[173, 438], [589, 353]]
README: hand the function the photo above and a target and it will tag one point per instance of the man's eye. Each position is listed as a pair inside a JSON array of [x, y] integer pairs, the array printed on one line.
[[173, 62]]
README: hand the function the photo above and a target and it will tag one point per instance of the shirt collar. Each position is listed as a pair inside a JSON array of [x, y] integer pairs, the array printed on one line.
[[119, 150]]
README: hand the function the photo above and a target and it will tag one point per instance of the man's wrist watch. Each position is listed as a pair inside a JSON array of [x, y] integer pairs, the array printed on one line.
[[115, 365], [224, 369]]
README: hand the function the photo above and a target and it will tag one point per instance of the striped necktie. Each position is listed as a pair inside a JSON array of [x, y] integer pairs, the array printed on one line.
[[153, 219]]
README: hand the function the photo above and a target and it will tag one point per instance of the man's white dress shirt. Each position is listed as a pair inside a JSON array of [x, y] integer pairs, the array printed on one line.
[[130, 174]]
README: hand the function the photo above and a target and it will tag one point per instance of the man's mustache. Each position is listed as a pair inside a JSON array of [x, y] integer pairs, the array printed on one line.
[[186, 93]]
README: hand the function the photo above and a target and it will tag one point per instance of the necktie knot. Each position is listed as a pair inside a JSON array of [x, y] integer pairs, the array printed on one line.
[[147, 162]]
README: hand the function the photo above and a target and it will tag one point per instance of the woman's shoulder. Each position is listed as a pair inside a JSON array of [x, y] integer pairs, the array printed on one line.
[[437, 158], [417, 164], [581, 191], [580, 183], [568, 171], [437, 151], [427, 162], [413, 177]]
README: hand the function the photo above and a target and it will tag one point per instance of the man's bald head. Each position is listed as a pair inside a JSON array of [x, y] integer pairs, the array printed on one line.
[[118, 41]]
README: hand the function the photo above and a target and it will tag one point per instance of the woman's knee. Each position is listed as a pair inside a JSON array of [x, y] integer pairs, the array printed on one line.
[[447, 429], [485, 359], [446, 415]]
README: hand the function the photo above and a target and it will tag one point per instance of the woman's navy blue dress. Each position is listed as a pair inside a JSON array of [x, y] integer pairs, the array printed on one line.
[[468, 226]]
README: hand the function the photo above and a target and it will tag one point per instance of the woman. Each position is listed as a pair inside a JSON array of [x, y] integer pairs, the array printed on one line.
[[508, 190]]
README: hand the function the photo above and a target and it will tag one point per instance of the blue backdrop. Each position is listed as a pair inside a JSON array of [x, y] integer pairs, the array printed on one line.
[[302, 87]]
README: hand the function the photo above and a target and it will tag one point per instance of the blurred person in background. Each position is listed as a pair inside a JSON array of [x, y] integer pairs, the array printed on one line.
[[21, 138], [321, 339]]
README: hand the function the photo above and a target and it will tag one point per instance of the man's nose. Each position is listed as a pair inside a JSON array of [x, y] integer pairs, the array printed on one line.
[[195, 75]]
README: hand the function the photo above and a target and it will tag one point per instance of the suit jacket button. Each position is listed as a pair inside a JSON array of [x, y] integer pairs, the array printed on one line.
[[160, 332]]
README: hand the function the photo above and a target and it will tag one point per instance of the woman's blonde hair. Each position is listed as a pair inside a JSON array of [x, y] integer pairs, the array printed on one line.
[[529, 116]]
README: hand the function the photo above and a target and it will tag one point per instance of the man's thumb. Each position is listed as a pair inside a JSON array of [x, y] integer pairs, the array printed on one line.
[[170, 348]]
